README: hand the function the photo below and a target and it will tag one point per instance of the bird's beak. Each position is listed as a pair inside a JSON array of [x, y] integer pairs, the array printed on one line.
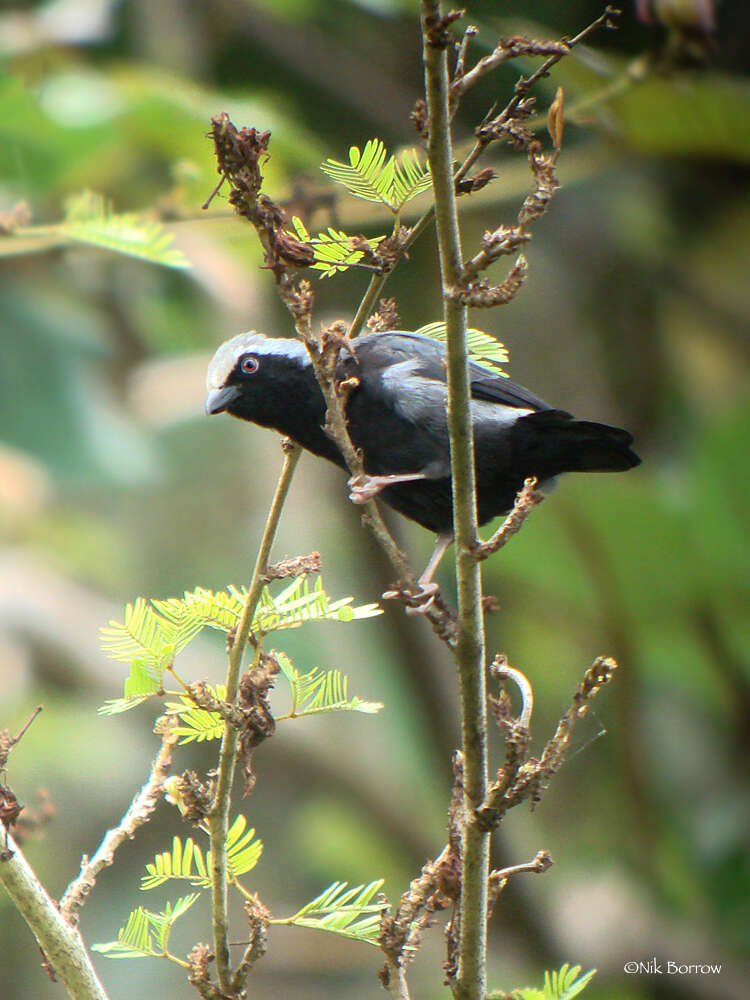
[[219, 400]]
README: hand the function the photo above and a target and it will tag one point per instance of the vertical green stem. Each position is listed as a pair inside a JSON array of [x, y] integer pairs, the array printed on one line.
[[471, 980], [367, 304], [218, 818]]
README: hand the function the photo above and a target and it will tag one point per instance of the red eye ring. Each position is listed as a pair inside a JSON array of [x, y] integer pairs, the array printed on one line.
[[249, 365]]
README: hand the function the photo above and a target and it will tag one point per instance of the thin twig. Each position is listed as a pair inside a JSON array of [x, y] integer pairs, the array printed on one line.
[[517, 783], [527, 498], [218, 817], [258, 920], [501, 668], [541, 862], [605, 20], [507, 49], [7, 742], [366, 306], [393, 978], [323, 356], [139, 812]]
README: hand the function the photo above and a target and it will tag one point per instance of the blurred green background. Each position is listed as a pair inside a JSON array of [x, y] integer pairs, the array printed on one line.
[[113, 484]]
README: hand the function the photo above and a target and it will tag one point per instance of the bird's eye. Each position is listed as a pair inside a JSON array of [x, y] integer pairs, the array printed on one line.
[[249, 364]]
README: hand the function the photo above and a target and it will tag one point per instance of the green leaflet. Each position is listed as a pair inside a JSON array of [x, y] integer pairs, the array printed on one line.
[[333, 248], [89, 219], [482, 346], [187, 861], [146, 934], [153, 632], [198, 724], [349, 912], [322, 691], [373, 175], [312, 693], [562, 984]]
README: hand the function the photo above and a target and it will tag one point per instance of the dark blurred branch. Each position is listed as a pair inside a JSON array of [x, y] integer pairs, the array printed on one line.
[[298, 47], [595, 559]]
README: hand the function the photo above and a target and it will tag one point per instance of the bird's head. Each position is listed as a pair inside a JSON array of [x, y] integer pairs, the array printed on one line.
[[251, 375]]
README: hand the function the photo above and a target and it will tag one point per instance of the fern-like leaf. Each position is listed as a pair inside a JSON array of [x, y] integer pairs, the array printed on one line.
[[333, 248], [296, 604], [198, 724], [141, 635], [563, 984], [88, 219], [321, 691], [482, 346], [243, 851], [373, 175], [153, 632], [146, 934], [349, 912], [187, 861], [139, 685], [566, 983], [410, 177]]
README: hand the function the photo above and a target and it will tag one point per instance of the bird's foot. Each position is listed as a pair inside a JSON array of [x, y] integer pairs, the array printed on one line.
[[364, 488], [418, 602]]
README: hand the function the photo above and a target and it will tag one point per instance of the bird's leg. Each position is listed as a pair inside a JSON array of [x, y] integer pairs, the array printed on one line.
[[422, 600], [364, 488]]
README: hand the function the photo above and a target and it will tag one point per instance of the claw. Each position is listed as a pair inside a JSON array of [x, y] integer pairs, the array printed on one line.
[[418, 602], [364, 488], [425, 598]]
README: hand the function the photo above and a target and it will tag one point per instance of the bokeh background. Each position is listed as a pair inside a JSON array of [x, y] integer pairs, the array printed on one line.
[[113, 483]]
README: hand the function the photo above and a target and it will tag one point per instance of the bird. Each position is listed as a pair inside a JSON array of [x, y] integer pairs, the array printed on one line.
[[397, 416]]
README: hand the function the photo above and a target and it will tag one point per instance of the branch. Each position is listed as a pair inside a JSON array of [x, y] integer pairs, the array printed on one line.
[[393, 978], [218, 817], [521, 779], [541, 862], [8, 742], [507, 49], [400, 934], [501, 668], [471, 982], [61, 944], [139, 813], [606, 19], [258, 919], [526, 500]]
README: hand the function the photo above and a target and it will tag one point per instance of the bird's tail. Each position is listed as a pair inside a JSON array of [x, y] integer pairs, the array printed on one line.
[[551, 441]]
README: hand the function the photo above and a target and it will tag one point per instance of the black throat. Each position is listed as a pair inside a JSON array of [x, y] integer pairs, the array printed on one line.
[[285, 396]]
